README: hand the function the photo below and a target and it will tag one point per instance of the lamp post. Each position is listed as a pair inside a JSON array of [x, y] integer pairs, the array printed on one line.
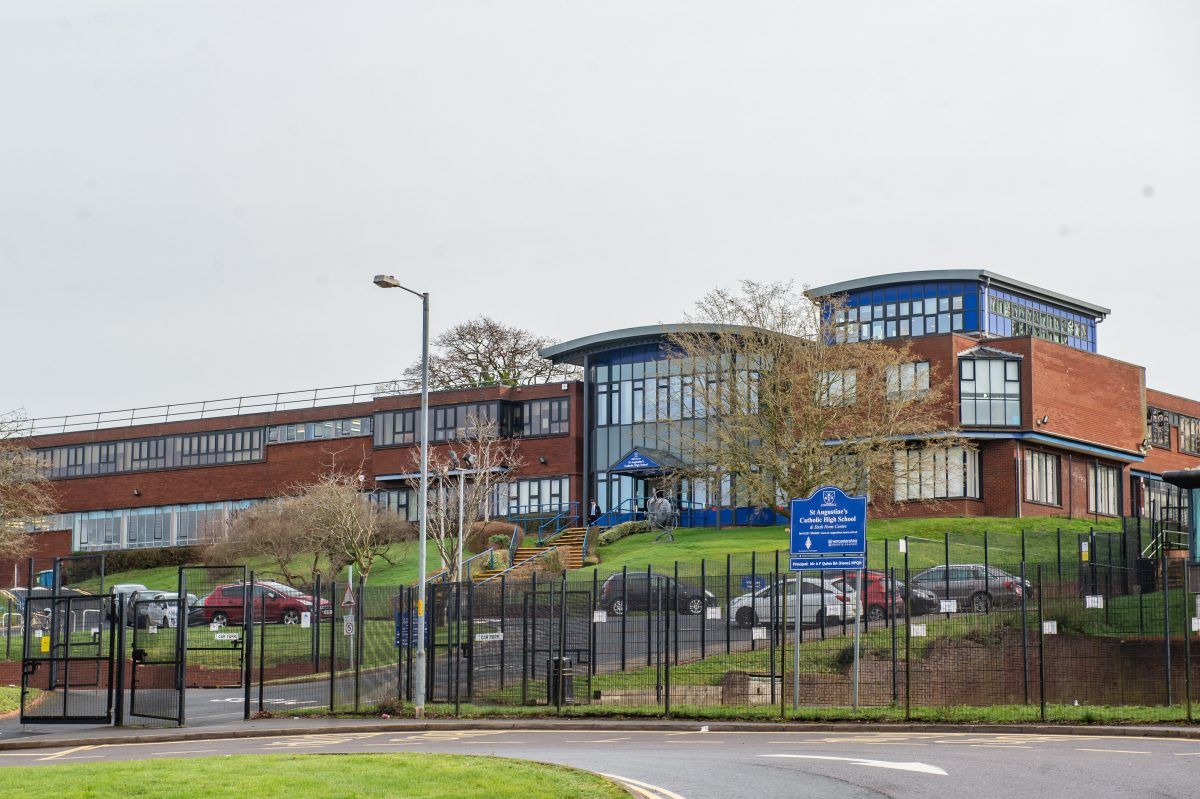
[[389, 282]]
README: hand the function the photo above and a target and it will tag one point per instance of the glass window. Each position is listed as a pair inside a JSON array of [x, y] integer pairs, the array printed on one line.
[[936, 473], [1189, 435], [907, 379], [1158, 423], [990, 392], [1102, 489], [837, 387], [1041, 477]]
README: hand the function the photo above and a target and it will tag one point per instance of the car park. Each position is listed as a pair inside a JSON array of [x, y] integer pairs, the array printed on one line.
[[821, 601], [636, 591], [972, 586], [876, 606]]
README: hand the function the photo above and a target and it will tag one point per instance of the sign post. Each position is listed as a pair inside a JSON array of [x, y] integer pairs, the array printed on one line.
[[829, 533]]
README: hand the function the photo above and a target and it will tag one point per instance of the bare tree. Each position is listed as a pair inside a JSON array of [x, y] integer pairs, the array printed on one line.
[[472, 469], [317, 528], [484, 352], [25, 493], [768, 394]]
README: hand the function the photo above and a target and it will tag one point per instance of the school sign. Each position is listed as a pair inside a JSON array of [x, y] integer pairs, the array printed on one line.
[[829, 531]]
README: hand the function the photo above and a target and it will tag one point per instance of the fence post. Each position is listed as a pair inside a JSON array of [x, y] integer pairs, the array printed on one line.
[[1166, 597], [625, 610], [892, 598], [907, 639], [316, 628], [946, 545], [754, 590], [592, 628], [666, 619], [649, 580], [773, 593], [332, 647], [357, 639], [1187, 639], [247, 642], [1025, 630], [262, 649], [1041, 646], [470, 642], [525, 647], [560, 682], [703, 613], [987, 571], [674, 610], [1058, 537], [503, 619], [1023, 558], [728, 599]]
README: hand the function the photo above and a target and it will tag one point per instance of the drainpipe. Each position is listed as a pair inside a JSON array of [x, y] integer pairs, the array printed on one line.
[[1017, 471], [1070, 485]]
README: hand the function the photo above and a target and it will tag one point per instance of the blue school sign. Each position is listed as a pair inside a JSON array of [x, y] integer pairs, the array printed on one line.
[[829, 531]]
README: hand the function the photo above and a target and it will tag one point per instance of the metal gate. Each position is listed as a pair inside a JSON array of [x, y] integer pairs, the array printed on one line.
[[217, 632], [157, 657], [69, 653]]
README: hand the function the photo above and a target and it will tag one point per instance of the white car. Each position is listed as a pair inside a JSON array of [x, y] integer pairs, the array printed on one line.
[[169, 602], [822, 602]]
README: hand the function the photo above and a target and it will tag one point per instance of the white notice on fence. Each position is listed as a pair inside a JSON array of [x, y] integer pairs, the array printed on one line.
[[95, 631], [1093, 601], [599, 616], [1196, 624], [227, 636], [714, 613], [903, 544], [213, 627], [1049, 628], [949, 606], [37, 633], [348, 624], [306, 619], [918, 631], [758, 633], [152, 630], [489, 636]]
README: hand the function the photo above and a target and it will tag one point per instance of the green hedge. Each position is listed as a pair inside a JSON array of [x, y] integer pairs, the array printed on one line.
[[130, 560], [617, 532]]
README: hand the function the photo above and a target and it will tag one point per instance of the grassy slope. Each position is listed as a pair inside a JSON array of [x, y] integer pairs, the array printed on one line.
[[10, 698], [638, 551], [925, 539], [331, 776]]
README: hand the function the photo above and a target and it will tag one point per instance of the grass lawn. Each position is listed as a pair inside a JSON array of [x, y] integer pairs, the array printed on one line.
[[325, 776], [964, 714], [926, 543], [10, 698]]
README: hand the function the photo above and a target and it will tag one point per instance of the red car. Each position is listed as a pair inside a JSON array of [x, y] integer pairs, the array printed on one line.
[[875, 605], [278, 602]]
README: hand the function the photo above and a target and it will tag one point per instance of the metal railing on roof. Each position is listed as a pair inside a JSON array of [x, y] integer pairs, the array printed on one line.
[[204, 409]]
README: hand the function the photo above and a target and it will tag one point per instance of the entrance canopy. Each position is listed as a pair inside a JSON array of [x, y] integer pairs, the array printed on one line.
[[646, 462]]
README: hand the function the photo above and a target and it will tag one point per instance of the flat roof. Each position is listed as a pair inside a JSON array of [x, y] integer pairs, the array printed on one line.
[[573, 351], [981, 275]]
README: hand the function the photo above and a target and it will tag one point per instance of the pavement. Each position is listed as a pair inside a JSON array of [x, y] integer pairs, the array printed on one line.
[[671, 759]]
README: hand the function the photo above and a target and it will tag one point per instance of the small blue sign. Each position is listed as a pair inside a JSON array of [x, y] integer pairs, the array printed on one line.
[[831, 563], [754, 583], [635, 461], [406, 630], [829, 523]]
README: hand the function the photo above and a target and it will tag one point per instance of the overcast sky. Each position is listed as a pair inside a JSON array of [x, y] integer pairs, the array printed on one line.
[[195, 195]]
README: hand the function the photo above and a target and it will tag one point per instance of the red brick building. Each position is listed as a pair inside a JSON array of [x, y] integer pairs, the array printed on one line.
[[1056, 427]]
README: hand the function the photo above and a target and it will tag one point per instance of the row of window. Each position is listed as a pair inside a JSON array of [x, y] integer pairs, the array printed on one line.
[[1159, 424], [513, 498], [989, 392], [672, 397], [1013, 315], [908, 310], [542, 417], [936, 473], [164, 452], [163, 526], [318, 431], [904, 381], [1043, 483]]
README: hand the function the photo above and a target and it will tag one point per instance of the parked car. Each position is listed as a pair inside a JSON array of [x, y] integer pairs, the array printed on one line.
[[821, 602], [169, 601], [274, 601], [647, 592], [875, 597], [972, 585]]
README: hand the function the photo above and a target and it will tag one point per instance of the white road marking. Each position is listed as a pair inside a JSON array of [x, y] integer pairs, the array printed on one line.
[[921, 768], [600, 741], [1116, 751], [644, 788]]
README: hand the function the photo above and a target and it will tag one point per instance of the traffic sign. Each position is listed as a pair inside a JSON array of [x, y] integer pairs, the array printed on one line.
[[348, 599], [829, 531], [348, 624]]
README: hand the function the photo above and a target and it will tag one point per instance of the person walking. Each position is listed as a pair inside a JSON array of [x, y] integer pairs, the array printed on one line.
[[593, 512]]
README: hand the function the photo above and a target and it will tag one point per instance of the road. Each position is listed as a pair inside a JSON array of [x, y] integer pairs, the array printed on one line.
[[718, 765]]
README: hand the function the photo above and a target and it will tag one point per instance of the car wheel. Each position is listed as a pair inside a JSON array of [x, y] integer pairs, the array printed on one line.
[[220, 618], [876, 613], [695, 606], [745, 617], [290, 616], [618, 607], [981, 602], [819, 621]]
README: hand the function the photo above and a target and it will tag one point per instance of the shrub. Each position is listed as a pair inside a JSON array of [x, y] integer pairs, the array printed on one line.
[[617, 532], [481, 534], [549, 564]]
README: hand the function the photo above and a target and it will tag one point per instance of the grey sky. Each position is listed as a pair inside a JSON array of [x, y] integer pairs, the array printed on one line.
[[195, 195]]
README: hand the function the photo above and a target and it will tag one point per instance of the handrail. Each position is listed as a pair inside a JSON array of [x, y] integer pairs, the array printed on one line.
[[514, 543], [571, 512], [225, 406], [543, 553], [1168, 539], [466, 573]]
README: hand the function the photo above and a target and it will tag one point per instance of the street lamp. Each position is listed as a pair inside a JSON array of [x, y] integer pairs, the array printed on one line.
[[389, 282]]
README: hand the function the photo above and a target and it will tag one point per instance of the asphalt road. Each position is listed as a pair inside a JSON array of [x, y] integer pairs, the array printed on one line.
[[718, 765]]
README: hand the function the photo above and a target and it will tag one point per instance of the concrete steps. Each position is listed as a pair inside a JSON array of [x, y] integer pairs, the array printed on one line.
[[569, 546]]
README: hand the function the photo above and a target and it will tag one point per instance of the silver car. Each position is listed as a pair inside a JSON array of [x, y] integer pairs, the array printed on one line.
[[821, 602]]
